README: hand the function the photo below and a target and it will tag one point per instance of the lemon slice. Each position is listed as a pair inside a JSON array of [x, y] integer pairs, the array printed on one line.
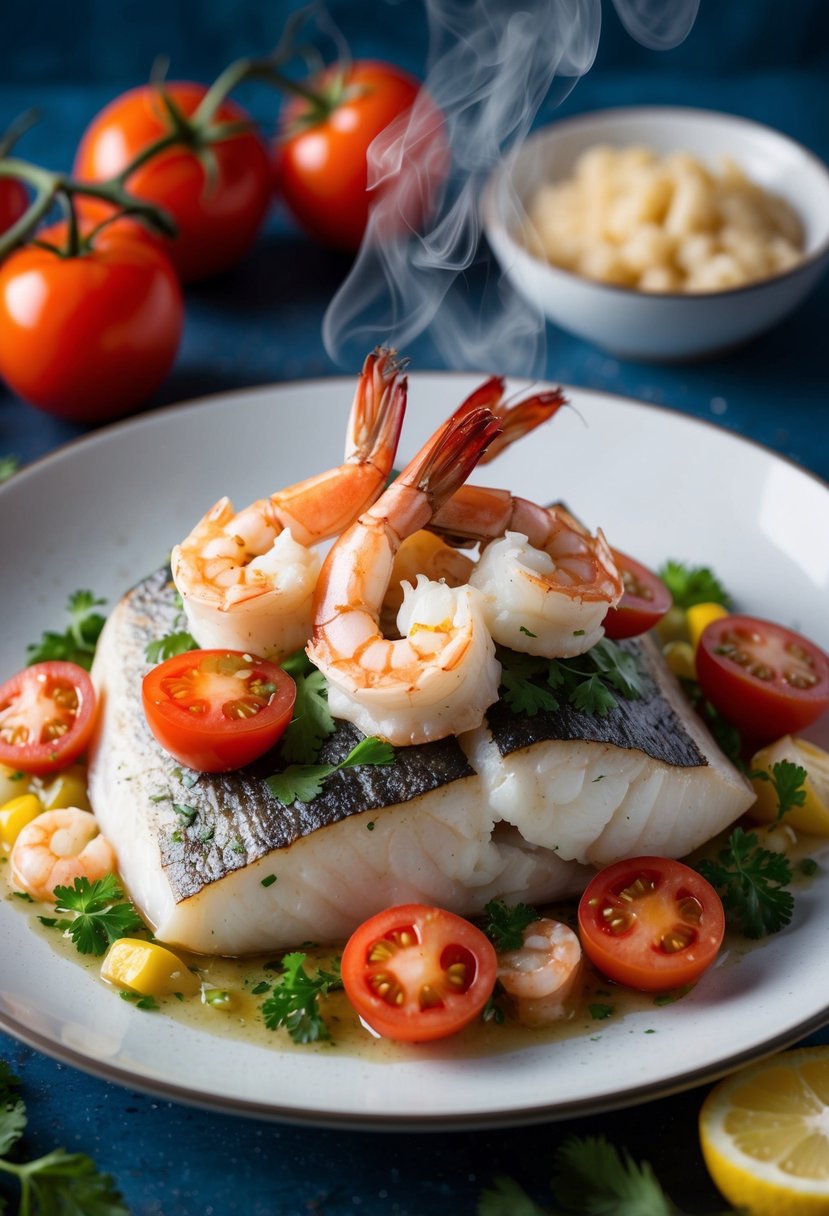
[[764, 1134], [813, 816]]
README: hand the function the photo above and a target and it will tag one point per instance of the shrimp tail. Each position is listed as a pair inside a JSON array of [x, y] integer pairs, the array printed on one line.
[[378, 409], [444, 465], [520, 419]]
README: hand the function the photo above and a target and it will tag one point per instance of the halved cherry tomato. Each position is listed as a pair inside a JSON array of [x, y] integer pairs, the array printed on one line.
[[13, 202], [89, 337], [763, 678], [47, 712], [415, 973], [217, 710], [321, 161], [217, 216], [645, 601], [651, 923]]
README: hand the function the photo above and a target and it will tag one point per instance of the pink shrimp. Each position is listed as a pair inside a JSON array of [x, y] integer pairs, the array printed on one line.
[[57, 847]]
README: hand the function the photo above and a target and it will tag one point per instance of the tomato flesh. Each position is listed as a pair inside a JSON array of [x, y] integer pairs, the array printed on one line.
[[47, 713], [322, 167], [217, 218], [765, 679], [217, 710], [416, 973], [644, 602], [651, 923]]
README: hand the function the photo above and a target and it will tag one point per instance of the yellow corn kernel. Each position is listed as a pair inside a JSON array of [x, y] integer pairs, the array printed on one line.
[[147, 968], [12, 783], [67, 788], [680, 658], [14, 816], [701, 615]]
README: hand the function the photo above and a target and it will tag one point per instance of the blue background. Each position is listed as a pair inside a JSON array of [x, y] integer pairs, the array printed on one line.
[[260, 324]]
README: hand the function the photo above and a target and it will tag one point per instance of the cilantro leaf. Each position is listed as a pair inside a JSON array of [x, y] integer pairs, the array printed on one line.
[[99, 918], [592, 696], [788, 780], [594, 1178], [302, 782], [506, 1198], [177, 642], [77, 644], [587, 681], [691, 585], [12, 1109], [294, 1001], [525, 697], [311, 723], [752, 884], [505, 925]]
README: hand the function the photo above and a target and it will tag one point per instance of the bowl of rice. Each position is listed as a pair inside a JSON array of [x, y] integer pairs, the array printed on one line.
[[660, 233]]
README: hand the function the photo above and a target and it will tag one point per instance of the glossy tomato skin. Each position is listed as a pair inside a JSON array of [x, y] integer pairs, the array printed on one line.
[[766, 680], [322, 170], [192, 705], [89, 338], [217, 220], [47, 713], [13, 202], [651, 923], [409, 948], [644, 602]]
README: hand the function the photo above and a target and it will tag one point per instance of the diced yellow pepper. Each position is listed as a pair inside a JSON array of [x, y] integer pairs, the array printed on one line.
[[147, 968], [701, 615], [680, 658], [67, 788], [14, 816], [813, 816]]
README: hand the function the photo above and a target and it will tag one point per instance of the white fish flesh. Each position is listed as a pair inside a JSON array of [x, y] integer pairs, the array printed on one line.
[[521, 809]]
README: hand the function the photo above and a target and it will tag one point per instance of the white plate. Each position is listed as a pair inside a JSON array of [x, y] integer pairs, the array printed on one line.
[[104, 511]]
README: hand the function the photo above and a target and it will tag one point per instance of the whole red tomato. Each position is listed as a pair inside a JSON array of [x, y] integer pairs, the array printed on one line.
[[321, 164], [217, 218], [13, 202], [88, 337]]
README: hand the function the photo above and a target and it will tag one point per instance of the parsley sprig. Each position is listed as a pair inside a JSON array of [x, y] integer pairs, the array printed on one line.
[[295, 1000], [593, 1178], [752, 883], [59, 1182], [311, 723], [178, 641], [788, 780], [100, 914], [588, 682], [504, 925], [302, 782], [77, 644], [691, 585]]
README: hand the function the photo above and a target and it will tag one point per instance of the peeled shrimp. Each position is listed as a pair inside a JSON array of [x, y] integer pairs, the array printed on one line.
[[57, 847], [541, 975], [247, 579], [439, 676], [547, 582]]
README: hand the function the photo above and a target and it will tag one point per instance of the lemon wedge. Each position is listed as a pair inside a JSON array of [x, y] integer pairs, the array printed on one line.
[[764, 1134], [813, 816]]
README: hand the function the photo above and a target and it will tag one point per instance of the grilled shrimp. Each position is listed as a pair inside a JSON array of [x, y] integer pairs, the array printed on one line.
[[547, 582], [57, 847], [541, 974], [439, 676], [247, 579]]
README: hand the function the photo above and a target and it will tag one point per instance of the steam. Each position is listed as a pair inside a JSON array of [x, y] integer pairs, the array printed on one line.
[[490, 68]]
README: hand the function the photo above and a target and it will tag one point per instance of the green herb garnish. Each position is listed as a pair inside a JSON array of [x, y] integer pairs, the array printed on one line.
[[789, 781], [294, 1002], [752, 883], [100, 913], [177, 642], [691, 585], [77, 644], [505, 925], [302, 782], [588, 682], [311, 723], [8, 467], [58, 1183]]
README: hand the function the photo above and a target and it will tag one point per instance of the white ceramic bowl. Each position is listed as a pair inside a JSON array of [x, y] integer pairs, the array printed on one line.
[[665, 326]]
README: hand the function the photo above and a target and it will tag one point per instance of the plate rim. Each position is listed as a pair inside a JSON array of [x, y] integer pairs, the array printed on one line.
[[503, 1116]]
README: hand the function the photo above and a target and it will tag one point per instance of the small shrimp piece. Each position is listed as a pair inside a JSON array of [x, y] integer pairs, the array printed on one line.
[[57, 847], [547, 582], [247, 578], [541, 975], [441, 674]]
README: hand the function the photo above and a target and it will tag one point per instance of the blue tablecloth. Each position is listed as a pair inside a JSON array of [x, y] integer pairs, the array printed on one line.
[[261, 324]]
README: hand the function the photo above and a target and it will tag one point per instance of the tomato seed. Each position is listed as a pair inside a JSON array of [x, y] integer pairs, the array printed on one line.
[[638, 889], [800, 679], [690, 909], [741, 657], [428, 997], [242, 707], [55, 728], [65, 698], [617, 922], [679, 938], [456, 975], [762, 671], [798, 652]]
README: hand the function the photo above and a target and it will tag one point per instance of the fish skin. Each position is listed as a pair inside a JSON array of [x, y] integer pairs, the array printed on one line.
[[197, 872]]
